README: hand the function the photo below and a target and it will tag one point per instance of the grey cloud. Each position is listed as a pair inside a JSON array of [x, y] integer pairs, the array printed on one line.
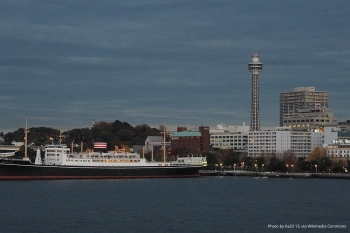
[[183, 62]]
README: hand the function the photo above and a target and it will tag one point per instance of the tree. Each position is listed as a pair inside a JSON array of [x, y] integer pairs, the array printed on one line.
[[337, 169], [290, 159], [304, 165], [317, 154], [261, 161], [338, 166], [117, 133], [276, 165], [211, 160], [142, 132], [248, 161], [231, 159], [324, 165]]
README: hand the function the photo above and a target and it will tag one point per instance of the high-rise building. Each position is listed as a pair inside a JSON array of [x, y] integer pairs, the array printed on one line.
[[301, 98], [255, 67]]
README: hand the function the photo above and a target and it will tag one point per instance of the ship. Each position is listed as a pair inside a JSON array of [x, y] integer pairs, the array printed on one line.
[[60, 162]]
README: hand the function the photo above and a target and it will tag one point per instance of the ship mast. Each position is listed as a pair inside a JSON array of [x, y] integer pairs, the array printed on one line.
[[152, 155], [164, 146], [26, 131], [60, 135]]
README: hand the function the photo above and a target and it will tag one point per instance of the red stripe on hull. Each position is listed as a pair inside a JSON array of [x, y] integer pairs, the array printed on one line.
[[92, 177]]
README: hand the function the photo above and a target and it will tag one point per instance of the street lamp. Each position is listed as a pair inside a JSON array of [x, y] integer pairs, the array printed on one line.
[[262, 167], [292, 168], [234, 167], [316, 167]]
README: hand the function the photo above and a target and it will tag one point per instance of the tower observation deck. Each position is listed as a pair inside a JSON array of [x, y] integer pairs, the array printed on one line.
[[255, 67]]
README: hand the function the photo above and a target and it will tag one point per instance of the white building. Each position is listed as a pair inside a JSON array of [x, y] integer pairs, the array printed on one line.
[[337, 143], [330, 134], [153, 141], [339, 150], [232, 138], [276, 142]]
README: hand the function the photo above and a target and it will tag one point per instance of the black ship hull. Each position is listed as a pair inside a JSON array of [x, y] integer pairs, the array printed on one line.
[[9, 171]]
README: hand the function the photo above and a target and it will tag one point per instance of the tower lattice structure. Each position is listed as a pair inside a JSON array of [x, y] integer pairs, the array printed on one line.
[[255, 67]]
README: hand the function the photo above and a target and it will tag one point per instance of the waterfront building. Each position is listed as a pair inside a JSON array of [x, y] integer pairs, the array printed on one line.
[[231, 138], [337, 143], [190, 142], [255, 67], [332, 134], [282, 139], [339, 150], [301, 98], [310, 119]]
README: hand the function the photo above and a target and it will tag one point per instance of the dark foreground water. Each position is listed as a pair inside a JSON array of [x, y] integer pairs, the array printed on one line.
[[206, 204]]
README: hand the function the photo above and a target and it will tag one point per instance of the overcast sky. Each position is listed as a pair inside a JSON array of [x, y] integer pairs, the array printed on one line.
[[65, 63]]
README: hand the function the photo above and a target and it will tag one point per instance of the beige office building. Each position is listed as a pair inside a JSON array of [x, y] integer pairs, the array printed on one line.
[[305, 105], [310, 119]]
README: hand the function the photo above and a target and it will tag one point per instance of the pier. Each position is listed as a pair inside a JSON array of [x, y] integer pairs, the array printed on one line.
[[275, 174]]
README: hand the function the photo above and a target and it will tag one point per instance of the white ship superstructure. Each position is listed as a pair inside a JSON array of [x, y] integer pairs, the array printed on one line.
[[60, 155]]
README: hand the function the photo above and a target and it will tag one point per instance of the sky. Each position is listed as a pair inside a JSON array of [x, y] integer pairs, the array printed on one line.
[[183, 63]]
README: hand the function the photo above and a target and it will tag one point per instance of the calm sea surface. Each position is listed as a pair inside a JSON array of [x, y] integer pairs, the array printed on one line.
[[206, 204]]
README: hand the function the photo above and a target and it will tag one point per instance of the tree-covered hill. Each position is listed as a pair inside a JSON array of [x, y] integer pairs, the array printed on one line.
[[115, 133]]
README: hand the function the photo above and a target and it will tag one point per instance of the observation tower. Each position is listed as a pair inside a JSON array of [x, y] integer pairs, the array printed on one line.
[[255, 67]]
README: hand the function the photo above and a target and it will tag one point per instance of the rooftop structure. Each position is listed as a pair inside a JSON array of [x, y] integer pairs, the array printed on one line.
[[344, 126]]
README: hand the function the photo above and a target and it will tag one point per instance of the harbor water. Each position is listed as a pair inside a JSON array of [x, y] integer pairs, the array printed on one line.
[[205, 204]]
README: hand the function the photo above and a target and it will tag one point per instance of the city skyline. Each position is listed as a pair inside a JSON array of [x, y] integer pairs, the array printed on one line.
[[183, 63]]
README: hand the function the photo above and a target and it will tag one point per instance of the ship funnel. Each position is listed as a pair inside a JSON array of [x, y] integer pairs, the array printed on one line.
[[38, 157]]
